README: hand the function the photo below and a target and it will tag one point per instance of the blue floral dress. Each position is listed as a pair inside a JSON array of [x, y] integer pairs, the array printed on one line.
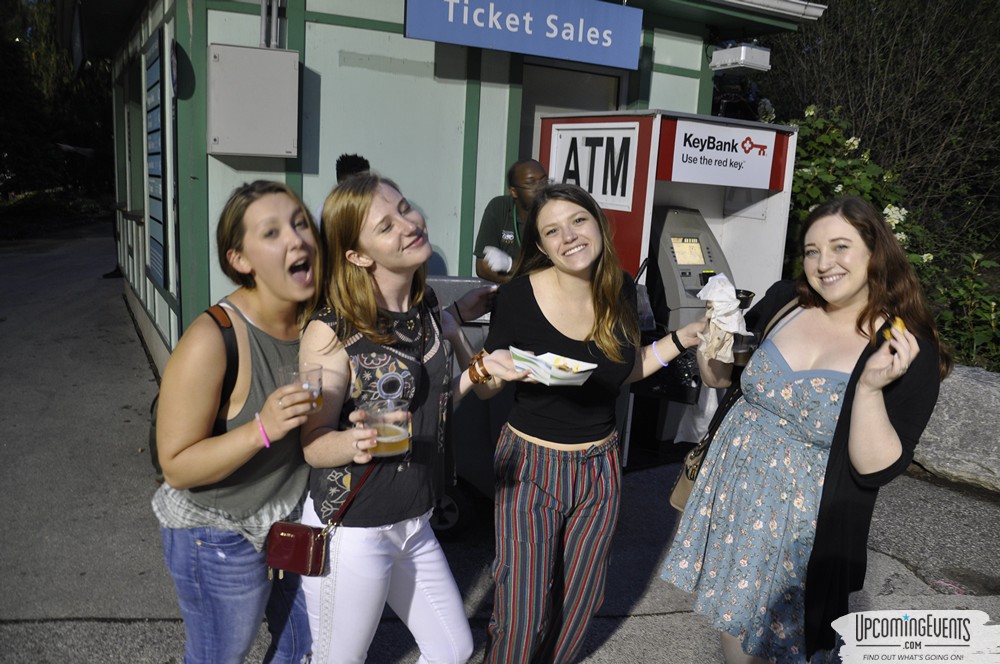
[[744, 539]]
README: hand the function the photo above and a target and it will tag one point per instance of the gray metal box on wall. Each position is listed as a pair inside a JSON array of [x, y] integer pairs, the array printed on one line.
[[253, 101]]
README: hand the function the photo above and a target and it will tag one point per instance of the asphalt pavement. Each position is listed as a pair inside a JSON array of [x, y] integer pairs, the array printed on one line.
[[83, 578]]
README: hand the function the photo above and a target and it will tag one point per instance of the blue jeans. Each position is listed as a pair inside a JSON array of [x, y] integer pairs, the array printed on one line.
[[224, 594]]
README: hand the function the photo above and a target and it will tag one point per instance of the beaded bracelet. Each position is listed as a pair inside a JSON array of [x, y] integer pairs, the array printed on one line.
[[260, 427]]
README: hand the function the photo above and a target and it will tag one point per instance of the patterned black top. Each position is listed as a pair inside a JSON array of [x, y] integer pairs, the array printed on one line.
[[416, 366]]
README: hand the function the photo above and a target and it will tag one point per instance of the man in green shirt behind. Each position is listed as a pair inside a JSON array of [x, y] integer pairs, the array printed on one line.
[[502, 227]]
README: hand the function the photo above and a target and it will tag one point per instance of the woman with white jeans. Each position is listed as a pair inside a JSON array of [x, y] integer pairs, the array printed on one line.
[[379, 333]]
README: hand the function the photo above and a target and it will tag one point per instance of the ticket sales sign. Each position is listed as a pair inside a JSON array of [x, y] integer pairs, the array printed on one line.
[[582, 31], [733, 156]]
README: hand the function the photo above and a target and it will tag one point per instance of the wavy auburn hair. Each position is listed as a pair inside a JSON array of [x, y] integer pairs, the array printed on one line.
[[615, 324], [347, 288], [893, 288]]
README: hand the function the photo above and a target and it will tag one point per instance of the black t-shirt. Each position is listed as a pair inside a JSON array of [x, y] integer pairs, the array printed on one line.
[[564, 414]]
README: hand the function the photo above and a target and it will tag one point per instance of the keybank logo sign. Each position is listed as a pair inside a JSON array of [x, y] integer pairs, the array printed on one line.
[[710, 143], [732, 156], [918, 635], [730, 145]]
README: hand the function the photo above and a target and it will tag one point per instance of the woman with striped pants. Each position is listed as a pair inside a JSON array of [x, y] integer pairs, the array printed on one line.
[[557, 461]]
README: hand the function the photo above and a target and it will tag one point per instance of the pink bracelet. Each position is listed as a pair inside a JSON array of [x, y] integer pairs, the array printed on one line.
[[263, 434]]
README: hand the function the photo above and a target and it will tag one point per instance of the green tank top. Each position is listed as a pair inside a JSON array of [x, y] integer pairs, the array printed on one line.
[[277, 473]]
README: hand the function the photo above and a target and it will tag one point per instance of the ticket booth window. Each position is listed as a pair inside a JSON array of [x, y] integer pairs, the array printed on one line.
[[548, 90]]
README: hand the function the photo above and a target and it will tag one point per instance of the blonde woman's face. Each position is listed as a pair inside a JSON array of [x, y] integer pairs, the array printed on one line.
[[393, 235]]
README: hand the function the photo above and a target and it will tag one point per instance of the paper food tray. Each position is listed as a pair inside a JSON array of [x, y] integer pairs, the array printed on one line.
[[552, 369]]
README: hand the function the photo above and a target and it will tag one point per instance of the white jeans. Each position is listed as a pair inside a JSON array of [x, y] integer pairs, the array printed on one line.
[[401, 565]]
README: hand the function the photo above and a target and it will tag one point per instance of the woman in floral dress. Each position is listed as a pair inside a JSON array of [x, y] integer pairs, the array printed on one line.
[[774, 535]]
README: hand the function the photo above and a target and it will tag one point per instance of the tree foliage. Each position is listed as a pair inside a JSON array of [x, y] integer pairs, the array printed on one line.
[[55, 124], [919, 82]]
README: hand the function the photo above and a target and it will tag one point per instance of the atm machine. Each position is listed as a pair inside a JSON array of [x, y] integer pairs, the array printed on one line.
[[683, 253], [672, 404]]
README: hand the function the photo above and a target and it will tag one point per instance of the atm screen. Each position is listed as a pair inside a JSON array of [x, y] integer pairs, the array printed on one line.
[[688, 250]]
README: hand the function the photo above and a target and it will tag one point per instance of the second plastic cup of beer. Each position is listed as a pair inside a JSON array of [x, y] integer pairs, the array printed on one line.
[[307, 375], [391, 419]]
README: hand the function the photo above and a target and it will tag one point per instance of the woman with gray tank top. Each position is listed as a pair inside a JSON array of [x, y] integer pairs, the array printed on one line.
[[233, 468]]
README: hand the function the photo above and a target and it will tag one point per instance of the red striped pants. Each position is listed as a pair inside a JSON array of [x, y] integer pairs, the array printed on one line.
[[555, 515]]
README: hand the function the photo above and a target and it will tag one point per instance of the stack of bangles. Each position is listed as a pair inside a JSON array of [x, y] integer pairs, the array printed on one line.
[[477, 369]]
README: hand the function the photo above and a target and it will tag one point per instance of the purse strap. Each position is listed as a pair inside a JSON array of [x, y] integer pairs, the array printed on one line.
[[778, 316], [339, 515], [737, 390]]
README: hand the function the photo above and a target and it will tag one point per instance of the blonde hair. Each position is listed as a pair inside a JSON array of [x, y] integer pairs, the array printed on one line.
[[346, 288]]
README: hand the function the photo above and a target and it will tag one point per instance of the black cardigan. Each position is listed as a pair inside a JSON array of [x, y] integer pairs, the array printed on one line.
[[839, 555]]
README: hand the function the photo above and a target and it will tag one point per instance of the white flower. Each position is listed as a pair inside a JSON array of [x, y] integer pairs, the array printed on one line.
[[901, 238], [853, 143], [927, 258], [894, 215], [839, 188], [810, 111]]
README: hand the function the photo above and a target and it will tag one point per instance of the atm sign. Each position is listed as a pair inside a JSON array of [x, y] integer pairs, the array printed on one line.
[[598, 157]]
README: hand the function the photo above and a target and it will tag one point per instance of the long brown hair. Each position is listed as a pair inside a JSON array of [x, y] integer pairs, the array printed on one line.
[[615, 324], [345, 287], [893, 287]]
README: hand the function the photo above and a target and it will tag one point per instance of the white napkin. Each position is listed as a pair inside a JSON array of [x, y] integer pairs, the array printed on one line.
[[725, 318]]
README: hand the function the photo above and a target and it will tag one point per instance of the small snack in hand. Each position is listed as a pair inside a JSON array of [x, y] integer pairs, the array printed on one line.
[[565, 364], [897, 323]]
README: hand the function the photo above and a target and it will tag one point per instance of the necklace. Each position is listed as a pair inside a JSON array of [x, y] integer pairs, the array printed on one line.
[[517, 232]]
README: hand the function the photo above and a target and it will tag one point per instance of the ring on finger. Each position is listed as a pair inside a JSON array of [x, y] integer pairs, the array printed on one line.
[[356, 446], [279, 404]]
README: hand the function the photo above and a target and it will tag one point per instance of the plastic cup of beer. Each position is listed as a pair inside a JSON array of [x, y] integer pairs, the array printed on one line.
[[391, 419], [308, 376], [743, 348]]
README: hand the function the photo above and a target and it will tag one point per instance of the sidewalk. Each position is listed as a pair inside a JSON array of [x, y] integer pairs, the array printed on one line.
[[80, 557]]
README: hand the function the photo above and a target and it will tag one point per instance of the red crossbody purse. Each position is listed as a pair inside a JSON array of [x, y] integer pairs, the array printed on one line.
[[301, 549]]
